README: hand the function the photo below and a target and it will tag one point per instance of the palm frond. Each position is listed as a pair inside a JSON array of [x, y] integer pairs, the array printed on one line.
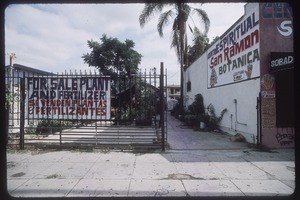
[[190, 28], [149, 10], [185, 51], [197, 33], [175, 24], [204, 19], [175, 43], [178, 37], [163, 20]]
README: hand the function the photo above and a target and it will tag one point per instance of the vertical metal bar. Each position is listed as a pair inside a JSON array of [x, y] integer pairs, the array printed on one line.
[[144, 97], [22, 114], [166, 108], [135, 93], [119, 118], [96, 132], [130, 100], [258, 107], [150, 96], [60, 132], [51, 129], [6, 108], [162, 113]]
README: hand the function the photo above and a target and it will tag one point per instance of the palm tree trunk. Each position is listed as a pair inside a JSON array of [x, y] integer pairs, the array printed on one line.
[[181, 38]]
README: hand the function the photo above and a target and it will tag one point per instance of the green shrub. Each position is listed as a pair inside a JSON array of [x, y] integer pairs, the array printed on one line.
[[196, 114], [47, 126], [213, 120], [31, 129], [197, 107], [178, 111]]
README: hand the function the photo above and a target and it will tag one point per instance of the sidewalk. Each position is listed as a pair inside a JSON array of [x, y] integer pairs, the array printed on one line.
[[201, 166]]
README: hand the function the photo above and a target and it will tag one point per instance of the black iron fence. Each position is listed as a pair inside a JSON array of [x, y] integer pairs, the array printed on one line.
[[86, 109]]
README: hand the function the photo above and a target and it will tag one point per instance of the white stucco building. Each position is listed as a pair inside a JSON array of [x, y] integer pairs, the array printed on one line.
[[246, 71]]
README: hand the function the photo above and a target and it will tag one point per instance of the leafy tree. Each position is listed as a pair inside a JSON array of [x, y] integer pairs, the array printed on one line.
[[214, 40], [200, 45], [180, 13], [113, 57]]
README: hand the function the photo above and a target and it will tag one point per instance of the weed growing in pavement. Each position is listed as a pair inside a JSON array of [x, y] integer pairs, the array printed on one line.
[[52, 176]]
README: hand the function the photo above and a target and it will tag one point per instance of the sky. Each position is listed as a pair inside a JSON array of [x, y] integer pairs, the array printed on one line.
[[53, 37]]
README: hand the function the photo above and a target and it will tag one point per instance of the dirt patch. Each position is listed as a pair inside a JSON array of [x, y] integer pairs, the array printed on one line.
[[182, 177]]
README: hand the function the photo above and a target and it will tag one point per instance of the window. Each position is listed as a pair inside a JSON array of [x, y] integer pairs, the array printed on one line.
[[188, 86]]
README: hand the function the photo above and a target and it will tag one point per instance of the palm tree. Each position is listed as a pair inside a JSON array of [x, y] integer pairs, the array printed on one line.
[[180, 13]]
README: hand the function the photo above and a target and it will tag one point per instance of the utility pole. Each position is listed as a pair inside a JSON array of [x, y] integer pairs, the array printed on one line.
[[12, 56], [9, 105]]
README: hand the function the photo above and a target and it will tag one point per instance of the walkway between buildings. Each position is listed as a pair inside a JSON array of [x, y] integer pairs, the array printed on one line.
[[181, 137], [199, 164]]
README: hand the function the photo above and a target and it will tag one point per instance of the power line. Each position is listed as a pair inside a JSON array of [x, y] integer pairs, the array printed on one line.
[[169, 77]]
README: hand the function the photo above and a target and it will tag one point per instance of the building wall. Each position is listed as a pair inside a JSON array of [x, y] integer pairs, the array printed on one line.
[[173, 92], [276, 36], [234, 77], [245, 92], [228, 76]]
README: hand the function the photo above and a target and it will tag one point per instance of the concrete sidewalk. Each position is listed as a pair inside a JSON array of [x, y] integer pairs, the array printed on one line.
[[204, 165]]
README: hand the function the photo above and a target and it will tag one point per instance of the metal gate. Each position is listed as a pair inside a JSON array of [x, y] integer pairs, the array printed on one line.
[[84, 109]]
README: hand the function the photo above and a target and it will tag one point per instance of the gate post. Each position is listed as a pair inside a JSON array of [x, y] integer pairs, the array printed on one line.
[[258, 108], [162, 106], [22, 111]]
